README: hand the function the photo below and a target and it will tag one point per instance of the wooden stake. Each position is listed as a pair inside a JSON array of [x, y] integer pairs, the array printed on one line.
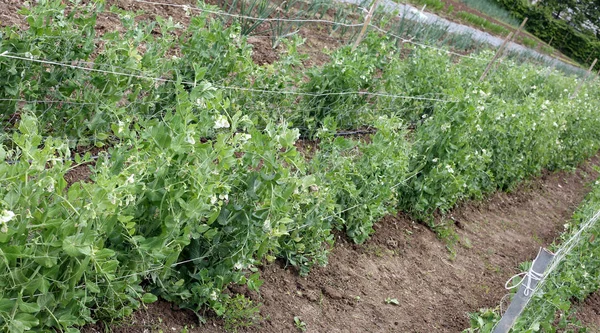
[[596, 78], [498, 53], [583, 80], [519, 30], [367, 22]]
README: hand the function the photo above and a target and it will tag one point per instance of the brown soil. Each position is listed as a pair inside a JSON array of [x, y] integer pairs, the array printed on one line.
[[589, 312], [406, 261], [8, 12]]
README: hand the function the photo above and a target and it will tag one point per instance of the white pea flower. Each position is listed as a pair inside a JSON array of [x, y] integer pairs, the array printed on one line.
[[130, 179], [445, 127], [555, 124], [213, 295], [238, 265], [267, 226], [478, 128], [6, 216], [190, 139], [435, 160], [245, 137], [213, 200], [221, 122], [120, 126], [449, 168], [534, 87], [224, 197]]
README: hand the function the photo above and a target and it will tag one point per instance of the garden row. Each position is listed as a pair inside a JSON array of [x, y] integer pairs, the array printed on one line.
[[576, 277], [204, 176]]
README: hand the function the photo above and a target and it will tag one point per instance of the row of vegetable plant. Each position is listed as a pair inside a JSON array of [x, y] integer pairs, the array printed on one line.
[[202, 176]]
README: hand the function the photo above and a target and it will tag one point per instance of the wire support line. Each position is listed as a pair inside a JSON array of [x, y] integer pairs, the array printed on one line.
[[284, 92], [246, 17], [404, 40], [20, 100], [411, 41], [183, 262]]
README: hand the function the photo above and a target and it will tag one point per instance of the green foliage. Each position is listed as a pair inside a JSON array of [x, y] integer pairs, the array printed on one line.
[[432, 5], [300, 325], [240, 313], [204, 177], [493, 9], [530, 43], [360, 177], [482, 22], [580, 46]]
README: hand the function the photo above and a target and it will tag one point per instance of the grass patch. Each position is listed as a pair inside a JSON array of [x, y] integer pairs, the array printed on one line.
[[432, 5], [494, 10], [483, 23], [530, 43]]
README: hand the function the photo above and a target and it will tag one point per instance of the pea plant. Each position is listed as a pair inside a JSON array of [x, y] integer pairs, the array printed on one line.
[[208, 166]]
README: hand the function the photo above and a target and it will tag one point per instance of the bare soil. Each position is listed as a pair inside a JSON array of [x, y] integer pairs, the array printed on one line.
[[406, 261], [589, 312]]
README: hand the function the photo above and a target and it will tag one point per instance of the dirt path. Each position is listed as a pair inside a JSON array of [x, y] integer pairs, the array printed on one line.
[[407, 262]]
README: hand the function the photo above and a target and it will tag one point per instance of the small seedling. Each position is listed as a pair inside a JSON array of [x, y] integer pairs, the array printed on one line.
[[300, 325], [392, 301]]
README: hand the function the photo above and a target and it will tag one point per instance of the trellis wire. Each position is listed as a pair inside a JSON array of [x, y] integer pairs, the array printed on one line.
[[285, 92], [179, 263], [265, 19], [370, 25]]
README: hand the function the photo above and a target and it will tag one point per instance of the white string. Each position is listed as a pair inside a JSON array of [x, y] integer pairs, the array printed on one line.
[[265, 19], [285, 92], [528, 276]]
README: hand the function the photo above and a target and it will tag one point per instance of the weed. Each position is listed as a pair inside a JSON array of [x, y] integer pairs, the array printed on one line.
[[300, 325], [240, 312]]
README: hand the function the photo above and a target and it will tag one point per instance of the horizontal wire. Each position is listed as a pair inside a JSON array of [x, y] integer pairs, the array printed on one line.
[[265, 19], [404, 40], [285, 92]]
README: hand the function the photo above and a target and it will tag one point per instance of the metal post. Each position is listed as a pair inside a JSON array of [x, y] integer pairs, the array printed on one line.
[[525, 292]]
